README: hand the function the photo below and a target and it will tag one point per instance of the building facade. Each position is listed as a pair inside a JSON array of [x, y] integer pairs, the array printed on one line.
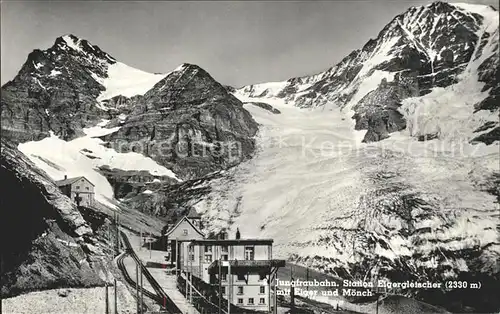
[[187, 229], [242, 270], [79, 189]]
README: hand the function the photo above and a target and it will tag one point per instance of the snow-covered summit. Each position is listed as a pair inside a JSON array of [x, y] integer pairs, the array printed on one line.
[[70, 43], [126, 81], [426, 48]]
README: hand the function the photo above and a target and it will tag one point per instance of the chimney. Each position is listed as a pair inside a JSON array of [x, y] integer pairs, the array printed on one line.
[[65, 177], [238, 235]]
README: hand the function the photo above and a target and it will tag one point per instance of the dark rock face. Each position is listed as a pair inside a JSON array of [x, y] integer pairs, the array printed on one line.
[[382, 122], [189, 123], [489, 137], [172, 201], [265, 106], [424, 48], [488, 73], [378, 112], [55, 90], [46, 243], [129, 182]]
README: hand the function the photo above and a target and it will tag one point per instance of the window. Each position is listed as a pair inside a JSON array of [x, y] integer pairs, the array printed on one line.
[[241, 276], [250, 300], [262, 301], [87, 188], [224, 252], [223, 277], [240, 301], [77, 187], [249, 253], [223, 290], [185, 232], [208, 254], [208, 258], [192, 257], [262, 290], [240, 290]]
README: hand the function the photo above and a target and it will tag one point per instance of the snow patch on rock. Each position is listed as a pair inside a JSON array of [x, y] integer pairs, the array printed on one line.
[[127, 81], [72, 162]]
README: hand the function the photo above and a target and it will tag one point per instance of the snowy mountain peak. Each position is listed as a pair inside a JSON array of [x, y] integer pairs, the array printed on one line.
[[70, 43], [181, 67], [187, 67], [187, 76], [422, 50]]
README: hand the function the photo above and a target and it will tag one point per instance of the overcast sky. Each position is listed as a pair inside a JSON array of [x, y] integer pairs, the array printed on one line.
[[237, 42]]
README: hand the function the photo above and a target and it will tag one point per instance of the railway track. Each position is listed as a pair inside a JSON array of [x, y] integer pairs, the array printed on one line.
[[159, 296], [131, 282]]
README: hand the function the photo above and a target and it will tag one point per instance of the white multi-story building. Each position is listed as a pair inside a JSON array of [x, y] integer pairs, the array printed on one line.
[[244, 266]]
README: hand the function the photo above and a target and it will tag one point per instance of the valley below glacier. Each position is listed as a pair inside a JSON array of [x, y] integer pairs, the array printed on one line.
[[396, 209]]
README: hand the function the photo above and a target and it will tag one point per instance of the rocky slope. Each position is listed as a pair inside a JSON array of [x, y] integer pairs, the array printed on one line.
[[84, 104], [421, 53], [60, 89], [188, 122], [46, 242], [54, 91]]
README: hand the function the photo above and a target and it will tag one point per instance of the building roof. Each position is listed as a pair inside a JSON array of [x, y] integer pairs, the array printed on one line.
[[234, 241], [193, 214], [179, 222], [213, 268], [70, 181]]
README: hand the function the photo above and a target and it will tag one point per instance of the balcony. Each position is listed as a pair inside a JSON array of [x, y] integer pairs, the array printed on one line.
[[246, 265]]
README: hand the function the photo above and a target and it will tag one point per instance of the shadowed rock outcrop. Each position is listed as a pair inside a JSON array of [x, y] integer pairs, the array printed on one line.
[[55, 90], [46, 243], [189, 123]]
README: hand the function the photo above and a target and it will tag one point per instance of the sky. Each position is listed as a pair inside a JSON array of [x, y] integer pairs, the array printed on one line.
[[237, 42]]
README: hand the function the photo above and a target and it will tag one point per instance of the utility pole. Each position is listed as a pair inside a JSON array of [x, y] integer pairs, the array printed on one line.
[[116, 299], [307, 277], [190, 280], [142, 290], [220, 284], [117, 239], [113, 227], [230, 292], [292, 291], [107, 301], [275, 309], [174, 254], [150, 245], [137, 286]]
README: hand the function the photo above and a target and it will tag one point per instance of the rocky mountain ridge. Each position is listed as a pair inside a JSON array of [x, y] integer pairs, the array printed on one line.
[[55, 90], [184, 120], [189, 123], [421, 51]]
